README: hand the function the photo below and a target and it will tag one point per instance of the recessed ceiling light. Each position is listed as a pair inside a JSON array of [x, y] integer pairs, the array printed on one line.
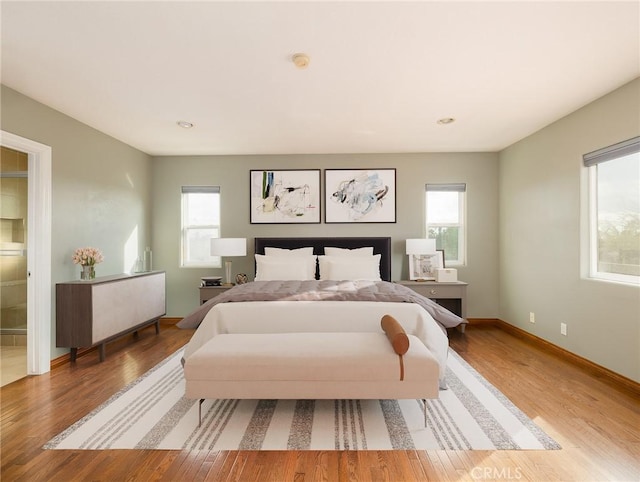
[[301, 60], [185, 124], [446, 120]]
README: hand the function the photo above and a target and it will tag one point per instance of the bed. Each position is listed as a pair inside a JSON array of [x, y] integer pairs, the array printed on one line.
[[281, 312]]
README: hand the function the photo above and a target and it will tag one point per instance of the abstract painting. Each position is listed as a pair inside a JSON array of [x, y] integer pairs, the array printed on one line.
[[360, 195], [279, 196]]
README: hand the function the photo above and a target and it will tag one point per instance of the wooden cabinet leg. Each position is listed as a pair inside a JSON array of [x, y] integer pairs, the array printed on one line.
[[103, 351], [73, 354]]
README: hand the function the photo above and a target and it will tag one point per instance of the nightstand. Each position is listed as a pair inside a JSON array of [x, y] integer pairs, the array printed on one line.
[[208, 292], [451, 295]]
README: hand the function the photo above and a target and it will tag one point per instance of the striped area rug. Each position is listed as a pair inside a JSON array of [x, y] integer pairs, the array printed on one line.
[[151, 413]]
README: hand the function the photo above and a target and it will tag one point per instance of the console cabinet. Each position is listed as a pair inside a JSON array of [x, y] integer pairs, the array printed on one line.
[[90, 313]]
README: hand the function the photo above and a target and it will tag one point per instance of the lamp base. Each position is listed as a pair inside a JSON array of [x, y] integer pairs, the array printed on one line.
[[227, 270]]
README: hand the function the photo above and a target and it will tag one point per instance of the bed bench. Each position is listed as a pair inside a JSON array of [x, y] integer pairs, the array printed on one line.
[[350, 365]]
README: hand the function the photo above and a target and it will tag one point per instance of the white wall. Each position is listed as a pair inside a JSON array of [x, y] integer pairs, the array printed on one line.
[[101, 190], [542, 222], [413, 171]]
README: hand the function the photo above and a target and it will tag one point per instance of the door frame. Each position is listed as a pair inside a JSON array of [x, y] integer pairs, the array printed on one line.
[[39, 288]]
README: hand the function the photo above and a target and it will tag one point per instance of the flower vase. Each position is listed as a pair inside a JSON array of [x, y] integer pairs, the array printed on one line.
[[88, 273]]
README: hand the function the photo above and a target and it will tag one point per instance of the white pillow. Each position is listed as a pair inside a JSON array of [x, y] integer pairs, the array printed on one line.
[[350, 268], [368, 251], [269, 268], [288, 252]]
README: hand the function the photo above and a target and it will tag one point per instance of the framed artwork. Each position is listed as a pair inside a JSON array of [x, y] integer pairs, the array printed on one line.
[[279, 196], [423, 266], [360, 195]]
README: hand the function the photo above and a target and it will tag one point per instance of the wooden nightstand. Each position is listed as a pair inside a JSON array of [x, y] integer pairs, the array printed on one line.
[[452, 295], [208, 292]]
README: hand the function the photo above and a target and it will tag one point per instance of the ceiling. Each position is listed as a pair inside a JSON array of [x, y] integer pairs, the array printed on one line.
[[380, 74]]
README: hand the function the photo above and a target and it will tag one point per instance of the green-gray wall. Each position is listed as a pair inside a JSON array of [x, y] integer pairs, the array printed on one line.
[[543, 221], [101, 189], [478, 170], [524, 245]]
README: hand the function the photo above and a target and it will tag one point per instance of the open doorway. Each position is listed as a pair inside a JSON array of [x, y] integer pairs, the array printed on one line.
[[37, 241], [14, 167]]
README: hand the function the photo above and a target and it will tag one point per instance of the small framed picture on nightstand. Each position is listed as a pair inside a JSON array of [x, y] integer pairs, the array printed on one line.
[[423, 266]]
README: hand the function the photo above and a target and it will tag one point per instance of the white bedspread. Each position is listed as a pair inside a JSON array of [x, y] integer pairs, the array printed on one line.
[[320, 316]]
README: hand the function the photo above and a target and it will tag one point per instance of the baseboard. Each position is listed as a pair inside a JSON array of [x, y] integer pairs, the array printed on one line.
[[66, 358], [483, 321], [170, 320], [595, 369]]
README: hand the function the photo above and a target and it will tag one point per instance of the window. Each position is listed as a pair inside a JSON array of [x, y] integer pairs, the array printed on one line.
[[200, 223], [445, 208], [614, 211]]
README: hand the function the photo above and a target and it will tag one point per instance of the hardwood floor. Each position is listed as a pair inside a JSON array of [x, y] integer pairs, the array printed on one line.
[[13, 364], [597, 424]]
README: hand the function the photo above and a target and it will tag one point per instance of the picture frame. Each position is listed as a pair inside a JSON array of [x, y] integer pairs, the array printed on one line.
[[279, 196], [360, 195], [422, 267]]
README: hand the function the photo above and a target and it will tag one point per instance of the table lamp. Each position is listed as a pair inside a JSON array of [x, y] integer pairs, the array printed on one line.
[[227, 247], [420, 247]]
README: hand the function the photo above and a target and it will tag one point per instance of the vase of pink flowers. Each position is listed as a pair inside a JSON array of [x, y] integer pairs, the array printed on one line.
[[87, 258]]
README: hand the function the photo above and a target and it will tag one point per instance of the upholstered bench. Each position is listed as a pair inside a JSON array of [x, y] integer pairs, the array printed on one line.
[[310, 366]]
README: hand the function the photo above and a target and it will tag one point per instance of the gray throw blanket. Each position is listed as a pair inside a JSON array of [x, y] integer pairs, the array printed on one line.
[[313, 290]]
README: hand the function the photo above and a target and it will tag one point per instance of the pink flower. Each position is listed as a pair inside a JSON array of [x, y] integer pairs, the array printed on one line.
[[87, 256]]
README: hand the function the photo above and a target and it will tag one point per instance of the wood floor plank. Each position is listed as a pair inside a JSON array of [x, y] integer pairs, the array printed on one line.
[[289, 466], [596, 422], [208, 460], [194, 464], [171, 464], [261, 468], [216, 470], [420, 472], [233, 466]]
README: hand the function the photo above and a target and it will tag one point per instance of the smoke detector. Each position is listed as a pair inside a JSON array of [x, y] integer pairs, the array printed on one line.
[[301, 60]]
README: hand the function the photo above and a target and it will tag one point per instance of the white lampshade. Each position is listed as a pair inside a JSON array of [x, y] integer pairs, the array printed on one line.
[[228, 247], [421, 246]]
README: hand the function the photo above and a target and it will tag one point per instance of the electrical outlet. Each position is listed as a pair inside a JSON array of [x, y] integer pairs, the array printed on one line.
[[532, 317], [563, 329]]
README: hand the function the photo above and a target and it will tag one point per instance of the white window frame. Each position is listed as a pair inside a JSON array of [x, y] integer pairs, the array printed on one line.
[[216, 261], [461, 189], [591, 162]]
